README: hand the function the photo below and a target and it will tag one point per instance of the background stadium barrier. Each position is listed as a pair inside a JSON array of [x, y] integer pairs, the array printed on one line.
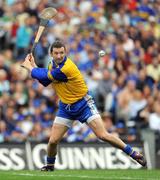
[[71, 156], [151, 148]]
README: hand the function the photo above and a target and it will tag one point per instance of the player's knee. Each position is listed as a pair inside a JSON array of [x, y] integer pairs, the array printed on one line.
[[53, 141], [104, 136]]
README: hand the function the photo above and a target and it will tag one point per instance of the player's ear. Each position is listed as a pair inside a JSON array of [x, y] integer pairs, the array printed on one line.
[[66, 50], [50, 53]]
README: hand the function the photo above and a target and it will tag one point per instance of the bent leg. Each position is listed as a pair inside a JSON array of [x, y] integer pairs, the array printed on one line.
[[98, 128], [59, 128], [57, 133]]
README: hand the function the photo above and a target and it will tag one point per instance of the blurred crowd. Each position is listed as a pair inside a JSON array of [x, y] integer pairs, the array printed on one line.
[[125, 82]]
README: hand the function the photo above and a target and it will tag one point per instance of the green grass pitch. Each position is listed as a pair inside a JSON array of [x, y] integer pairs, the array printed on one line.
[[81, 174]]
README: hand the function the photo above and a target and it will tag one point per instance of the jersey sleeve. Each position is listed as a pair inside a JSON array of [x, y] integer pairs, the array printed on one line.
[[41, 75], [57, 74]]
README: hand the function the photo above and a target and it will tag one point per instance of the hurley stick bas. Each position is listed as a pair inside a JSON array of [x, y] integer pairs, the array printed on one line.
[[45, 16]]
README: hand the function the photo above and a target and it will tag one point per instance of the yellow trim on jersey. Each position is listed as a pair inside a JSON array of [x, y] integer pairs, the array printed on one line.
[[49, 72]]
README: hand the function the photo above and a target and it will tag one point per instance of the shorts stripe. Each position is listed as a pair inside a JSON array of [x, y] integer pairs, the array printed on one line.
[[91, 118], [63, 121]]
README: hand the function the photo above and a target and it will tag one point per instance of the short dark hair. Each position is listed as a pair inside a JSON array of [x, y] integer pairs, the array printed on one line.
[[57, 44]]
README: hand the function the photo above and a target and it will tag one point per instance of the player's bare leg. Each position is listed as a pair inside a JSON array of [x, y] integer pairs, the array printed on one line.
[[98, 128], [57, 133]]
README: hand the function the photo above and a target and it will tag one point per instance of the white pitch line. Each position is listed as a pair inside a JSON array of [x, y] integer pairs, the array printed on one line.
[[75, 176]]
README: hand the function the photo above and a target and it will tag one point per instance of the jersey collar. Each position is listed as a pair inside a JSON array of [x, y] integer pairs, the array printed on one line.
[[60, 64]]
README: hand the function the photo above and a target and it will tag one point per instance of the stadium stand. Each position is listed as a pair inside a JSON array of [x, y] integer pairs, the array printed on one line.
[[125, 83]]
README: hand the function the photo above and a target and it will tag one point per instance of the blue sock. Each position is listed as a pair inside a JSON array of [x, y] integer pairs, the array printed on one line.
[[128, 149], [133, 155], [51, 160]]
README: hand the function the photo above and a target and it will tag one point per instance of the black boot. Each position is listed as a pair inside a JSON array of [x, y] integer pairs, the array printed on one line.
[[47, 168], [139, 158]]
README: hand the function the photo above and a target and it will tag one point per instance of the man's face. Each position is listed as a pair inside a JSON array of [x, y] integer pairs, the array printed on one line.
[[58, 54]]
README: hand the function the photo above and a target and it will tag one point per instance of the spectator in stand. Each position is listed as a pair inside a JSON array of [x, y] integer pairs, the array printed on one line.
[[36, 134], [145, 10], [124, 97], [3, 132], [103, 91], [4, 83], [23, 38], [127, 30], [143, 80], [154, 118], [136, 104], [153, 70]]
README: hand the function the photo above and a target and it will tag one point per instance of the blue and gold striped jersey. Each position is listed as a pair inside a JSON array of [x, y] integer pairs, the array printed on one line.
[[67, 81]]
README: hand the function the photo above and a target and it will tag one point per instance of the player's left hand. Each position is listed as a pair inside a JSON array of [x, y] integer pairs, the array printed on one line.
[[32, 60], [27, 63]]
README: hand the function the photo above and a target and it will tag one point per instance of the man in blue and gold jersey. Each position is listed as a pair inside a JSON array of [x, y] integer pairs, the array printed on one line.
[[75, 102]]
